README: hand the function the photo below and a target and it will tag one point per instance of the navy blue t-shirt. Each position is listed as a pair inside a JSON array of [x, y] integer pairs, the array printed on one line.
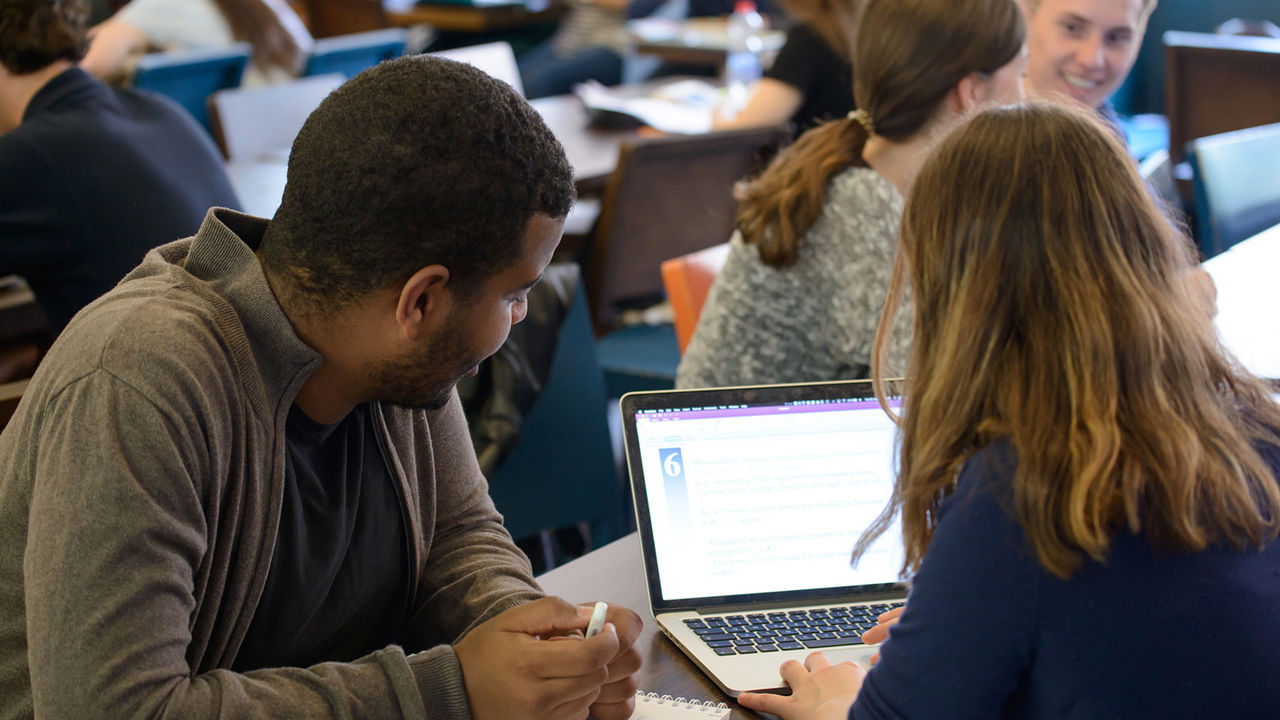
[[338, 586], [989, 633], [92, 179]]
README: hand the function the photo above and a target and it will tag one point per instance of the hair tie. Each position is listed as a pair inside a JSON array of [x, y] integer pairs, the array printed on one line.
[[863, 118]]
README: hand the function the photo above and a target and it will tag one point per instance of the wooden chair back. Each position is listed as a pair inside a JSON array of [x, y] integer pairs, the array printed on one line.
[[669, 196], [1218, 83]]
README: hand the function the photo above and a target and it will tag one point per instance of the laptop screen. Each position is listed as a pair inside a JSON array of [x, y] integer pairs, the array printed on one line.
[[765, 494]]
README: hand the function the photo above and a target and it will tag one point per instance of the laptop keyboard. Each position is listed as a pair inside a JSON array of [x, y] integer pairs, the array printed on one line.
[[753, 633]]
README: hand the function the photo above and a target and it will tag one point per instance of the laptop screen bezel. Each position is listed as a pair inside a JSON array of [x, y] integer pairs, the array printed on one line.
[[636, 402]]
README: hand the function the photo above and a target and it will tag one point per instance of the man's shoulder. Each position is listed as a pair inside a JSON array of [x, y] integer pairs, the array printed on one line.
[[161, 335]]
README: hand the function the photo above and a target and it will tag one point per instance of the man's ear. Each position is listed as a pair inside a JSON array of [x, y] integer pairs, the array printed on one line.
[[423, 303]]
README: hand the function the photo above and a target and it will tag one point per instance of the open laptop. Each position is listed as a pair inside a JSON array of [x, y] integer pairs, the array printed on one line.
[[748, 503]]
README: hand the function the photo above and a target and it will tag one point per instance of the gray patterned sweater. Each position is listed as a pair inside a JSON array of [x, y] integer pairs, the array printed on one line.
[[815, 319]]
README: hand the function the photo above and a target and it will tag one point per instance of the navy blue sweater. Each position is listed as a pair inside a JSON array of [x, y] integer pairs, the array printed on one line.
[[91, 180], [988, 633]]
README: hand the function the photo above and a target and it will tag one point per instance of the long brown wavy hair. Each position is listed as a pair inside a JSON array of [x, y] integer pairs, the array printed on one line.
[[252, 21], [1054, 307], [907, 55]]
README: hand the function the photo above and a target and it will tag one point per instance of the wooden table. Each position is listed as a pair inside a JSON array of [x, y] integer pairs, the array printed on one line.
[[615, 574], [593, 153], [474, 18], [694, 41], [1248, 318]]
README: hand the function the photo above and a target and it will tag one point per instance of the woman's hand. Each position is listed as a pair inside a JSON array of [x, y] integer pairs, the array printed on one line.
[[880, 632], [819, 690]]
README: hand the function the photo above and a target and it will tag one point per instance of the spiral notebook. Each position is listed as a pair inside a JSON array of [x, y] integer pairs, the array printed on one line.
[[652, 706]]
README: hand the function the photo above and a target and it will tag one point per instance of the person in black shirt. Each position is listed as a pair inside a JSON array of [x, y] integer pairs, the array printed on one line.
[[811, 80]]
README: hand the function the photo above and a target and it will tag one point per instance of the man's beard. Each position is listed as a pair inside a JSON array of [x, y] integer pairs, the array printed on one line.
[[425, 378]]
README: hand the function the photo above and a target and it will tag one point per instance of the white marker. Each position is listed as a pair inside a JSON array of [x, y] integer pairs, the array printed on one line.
[[597, 618]]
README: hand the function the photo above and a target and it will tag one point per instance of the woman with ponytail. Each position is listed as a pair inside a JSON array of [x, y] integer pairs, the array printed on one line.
[[1087, 480], [279, 38], [801, 291]]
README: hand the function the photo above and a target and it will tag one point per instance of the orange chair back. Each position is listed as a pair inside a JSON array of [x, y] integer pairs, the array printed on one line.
[[687, 280]]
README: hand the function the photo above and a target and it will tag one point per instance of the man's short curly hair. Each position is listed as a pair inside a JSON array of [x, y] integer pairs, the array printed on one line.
[[414, 162], [36, 33]]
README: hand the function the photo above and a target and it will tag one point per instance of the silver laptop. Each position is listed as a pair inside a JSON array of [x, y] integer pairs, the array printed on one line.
[[748, 502]]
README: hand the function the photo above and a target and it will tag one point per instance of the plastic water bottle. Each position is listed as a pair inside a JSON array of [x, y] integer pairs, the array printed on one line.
[[742, 63]]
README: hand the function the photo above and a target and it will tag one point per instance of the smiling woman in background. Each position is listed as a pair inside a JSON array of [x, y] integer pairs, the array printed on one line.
[[279, 38], [1087, 481]]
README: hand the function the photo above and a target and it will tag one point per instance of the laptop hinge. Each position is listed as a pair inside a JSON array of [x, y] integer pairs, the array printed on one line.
[[889, 595]]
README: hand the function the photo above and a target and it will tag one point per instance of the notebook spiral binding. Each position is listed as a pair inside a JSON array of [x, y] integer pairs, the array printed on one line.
[[692, 704]]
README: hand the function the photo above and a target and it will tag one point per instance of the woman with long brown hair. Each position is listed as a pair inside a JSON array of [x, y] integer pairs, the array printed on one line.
[[801, 291], [279, 38], [1087, 480]]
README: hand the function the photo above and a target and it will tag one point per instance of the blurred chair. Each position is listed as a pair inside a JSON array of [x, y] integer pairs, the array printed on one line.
[[191, 77], [1236, 176], [1157, 172], [560, 471], [495, 58], [327, 18], [349, 54], [1218, 83], [262, 122], [688, 279], [669, 196], [10, 396]]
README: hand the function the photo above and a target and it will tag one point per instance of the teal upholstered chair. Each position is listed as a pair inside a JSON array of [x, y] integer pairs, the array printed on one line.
[[538, 416], [1236, 176], [191, 77], [349, 54]]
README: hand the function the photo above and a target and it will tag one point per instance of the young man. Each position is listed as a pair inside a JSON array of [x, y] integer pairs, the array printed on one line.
[[91, 177], [1083, 49], [240, 485]]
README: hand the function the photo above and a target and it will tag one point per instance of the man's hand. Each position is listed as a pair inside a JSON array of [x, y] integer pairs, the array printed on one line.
[[520, 665], [819, 690], [618, 695], [880, 632]]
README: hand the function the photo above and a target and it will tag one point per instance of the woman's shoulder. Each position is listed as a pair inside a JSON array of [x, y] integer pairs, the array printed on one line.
[[859, 219], [861, 184], [863, 195]]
